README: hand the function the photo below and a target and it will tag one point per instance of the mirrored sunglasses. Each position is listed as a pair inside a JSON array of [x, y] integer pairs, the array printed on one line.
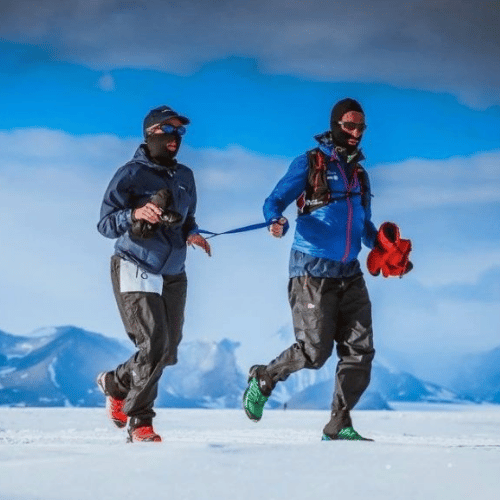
[[171, 129], [353, 126]]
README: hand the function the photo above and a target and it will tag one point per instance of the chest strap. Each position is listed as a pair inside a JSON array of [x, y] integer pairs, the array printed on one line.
[[318, 194]]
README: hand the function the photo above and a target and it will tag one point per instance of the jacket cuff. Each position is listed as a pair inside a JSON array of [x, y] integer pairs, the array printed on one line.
[[125, 220], [271, 218], [194, 230]]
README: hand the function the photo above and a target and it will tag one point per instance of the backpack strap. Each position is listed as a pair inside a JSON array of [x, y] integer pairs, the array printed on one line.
[[317, 193], [364, 185]]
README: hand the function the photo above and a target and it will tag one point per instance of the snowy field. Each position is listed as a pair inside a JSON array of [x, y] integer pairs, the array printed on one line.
[[75, 454]]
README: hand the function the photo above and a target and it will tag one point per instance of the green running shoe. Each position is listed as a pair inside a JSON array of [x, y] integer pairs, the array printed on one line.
[[254, 400], [345, 434]]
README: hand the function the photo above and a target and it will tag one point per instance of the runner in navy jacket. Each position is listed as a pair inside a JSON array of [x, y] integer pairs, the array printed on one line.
[[132, 186], [149, 206]]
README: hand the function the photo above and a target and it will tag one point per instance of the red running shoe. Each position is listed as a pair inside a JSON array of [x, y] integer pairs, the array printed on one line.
[[114, 406], [143, 433]]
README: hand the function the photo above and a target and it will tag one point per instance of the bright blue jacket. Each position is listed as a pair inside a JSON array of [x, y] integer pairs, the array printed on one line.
[[333, 232], [132, 186]]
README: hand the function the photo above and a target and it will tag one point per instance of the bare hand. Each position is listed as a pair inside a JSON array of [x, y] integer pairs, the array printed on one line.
[[199, 241], [149, 212], [277, 228]]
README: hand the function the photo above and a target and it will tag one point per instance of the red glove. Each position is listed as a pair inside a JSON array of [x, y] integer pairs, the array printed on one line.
[[390, 254], [199, 241]]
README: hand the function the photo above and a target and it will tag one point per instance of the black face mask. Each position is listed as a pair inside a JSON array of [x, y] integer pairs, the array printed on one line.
[[157, 146], [339, 136]]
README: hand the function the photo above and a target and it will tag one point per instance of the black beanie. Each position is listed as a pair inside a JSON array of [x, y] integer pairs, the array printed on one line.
[[343, 107]]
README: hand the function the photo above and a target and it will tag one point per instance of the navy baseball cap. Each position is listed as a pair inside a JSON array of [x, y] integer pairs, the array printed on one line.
[[160, 115]]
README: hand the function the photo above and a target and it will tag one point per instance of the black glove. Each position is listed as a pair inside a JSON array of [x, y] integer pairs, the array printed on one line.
[[163, 199]]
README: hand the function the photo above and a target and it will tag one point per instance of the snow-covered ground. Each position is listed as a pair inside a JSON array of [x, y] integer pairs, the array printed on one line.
[[75, 454]]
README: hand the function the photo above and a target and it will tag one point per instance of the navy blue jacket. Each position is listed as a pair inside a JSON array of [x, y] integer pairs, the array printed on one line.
[[131, 187], [330, 235]]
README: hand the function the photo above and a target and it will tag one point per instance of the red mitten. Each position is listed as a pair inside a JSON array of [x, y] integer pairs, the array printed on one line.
[[390, 254]]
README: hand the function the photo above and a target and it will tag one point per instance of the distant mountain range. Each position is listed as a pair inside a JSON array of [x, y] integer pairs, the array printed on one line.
[[387, 384], [58, 367]]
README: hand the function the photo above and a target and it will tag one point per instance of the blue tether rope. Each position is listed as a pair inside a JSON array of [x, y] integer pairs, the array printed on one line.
[[237, 230]]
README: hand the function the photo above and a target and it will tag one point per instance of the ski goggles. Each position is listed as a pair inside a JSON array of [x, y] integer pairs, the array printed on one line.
[[353, 126]]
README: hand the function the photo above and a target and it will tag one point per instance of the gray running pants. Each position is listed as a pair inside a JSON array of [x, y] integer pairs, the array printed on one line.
[[153, 320], [328, 311]]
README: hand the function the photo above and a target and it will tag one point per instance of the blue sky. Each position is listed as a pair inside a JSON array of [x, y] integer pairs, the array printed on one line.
[[258, 80]]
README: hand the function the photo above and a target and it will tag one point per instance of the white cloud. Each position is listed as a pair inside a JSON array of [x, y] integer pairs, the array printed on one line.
[[456, 267], [431, 44], [106, 82], [235, 168], [51, 185], [449, 208], [419, 183], [446, 327]]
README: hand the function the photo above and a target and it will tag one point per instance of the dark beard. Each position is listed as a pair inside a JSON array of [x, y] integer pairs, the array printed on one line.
[[157, 147]]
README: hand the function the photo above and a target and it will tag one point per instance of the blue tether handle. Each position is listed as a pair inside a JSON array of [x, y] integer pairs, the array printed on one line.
[[237, 230]]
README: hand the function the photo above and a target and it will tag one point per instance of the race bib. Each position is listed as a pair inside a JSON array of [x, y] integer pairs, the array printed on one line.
[[135, 279]]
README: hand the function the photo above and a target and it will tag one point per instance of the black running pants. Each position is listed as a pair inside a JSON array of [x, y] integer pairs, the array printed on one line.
[[153, 321], [328, 312]]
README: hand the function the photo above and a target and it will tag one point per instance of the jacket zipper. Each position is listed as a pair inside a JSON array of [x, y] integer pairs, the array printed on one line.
[[348, 231], [349, 213]]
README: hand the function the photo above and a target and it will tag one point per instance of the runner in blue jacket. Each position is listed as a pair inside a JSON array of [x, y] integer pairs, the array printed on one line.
[[149, 207], [327, 293]]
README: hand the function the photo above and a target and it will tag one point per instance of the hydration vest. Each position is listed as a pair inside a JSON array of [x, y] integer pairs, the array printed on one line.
[[318, 193]]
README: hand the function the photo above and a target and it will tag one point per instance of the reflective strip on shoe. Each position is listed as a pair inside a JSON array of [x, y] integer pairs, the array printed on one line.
[[115, 411], [144, 433], [345, 434], [101, 382], [114, 407], [254, 400]]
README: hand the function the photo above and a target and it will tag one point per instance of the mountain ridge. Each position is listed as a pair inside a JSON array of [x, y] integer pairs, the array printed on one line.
[[54, 368]]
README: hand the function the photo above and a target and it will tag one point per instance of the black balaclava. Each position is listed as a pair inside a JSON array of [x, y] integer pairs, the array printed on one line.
[[157, 146], [339, 136]]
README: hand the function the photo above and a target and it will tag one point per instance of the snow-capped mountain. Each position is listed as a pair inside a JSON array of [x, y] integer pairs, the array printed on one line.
[[14, 346], [319, 397], [387, 384], [58, 367], [397, 385], [207, 374]]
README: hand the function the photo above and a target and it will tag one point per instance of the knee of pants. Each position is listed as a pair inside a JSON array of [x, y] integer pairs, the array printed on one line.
[[317, 356], [170, 359], [148, 357], [358, 355]]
